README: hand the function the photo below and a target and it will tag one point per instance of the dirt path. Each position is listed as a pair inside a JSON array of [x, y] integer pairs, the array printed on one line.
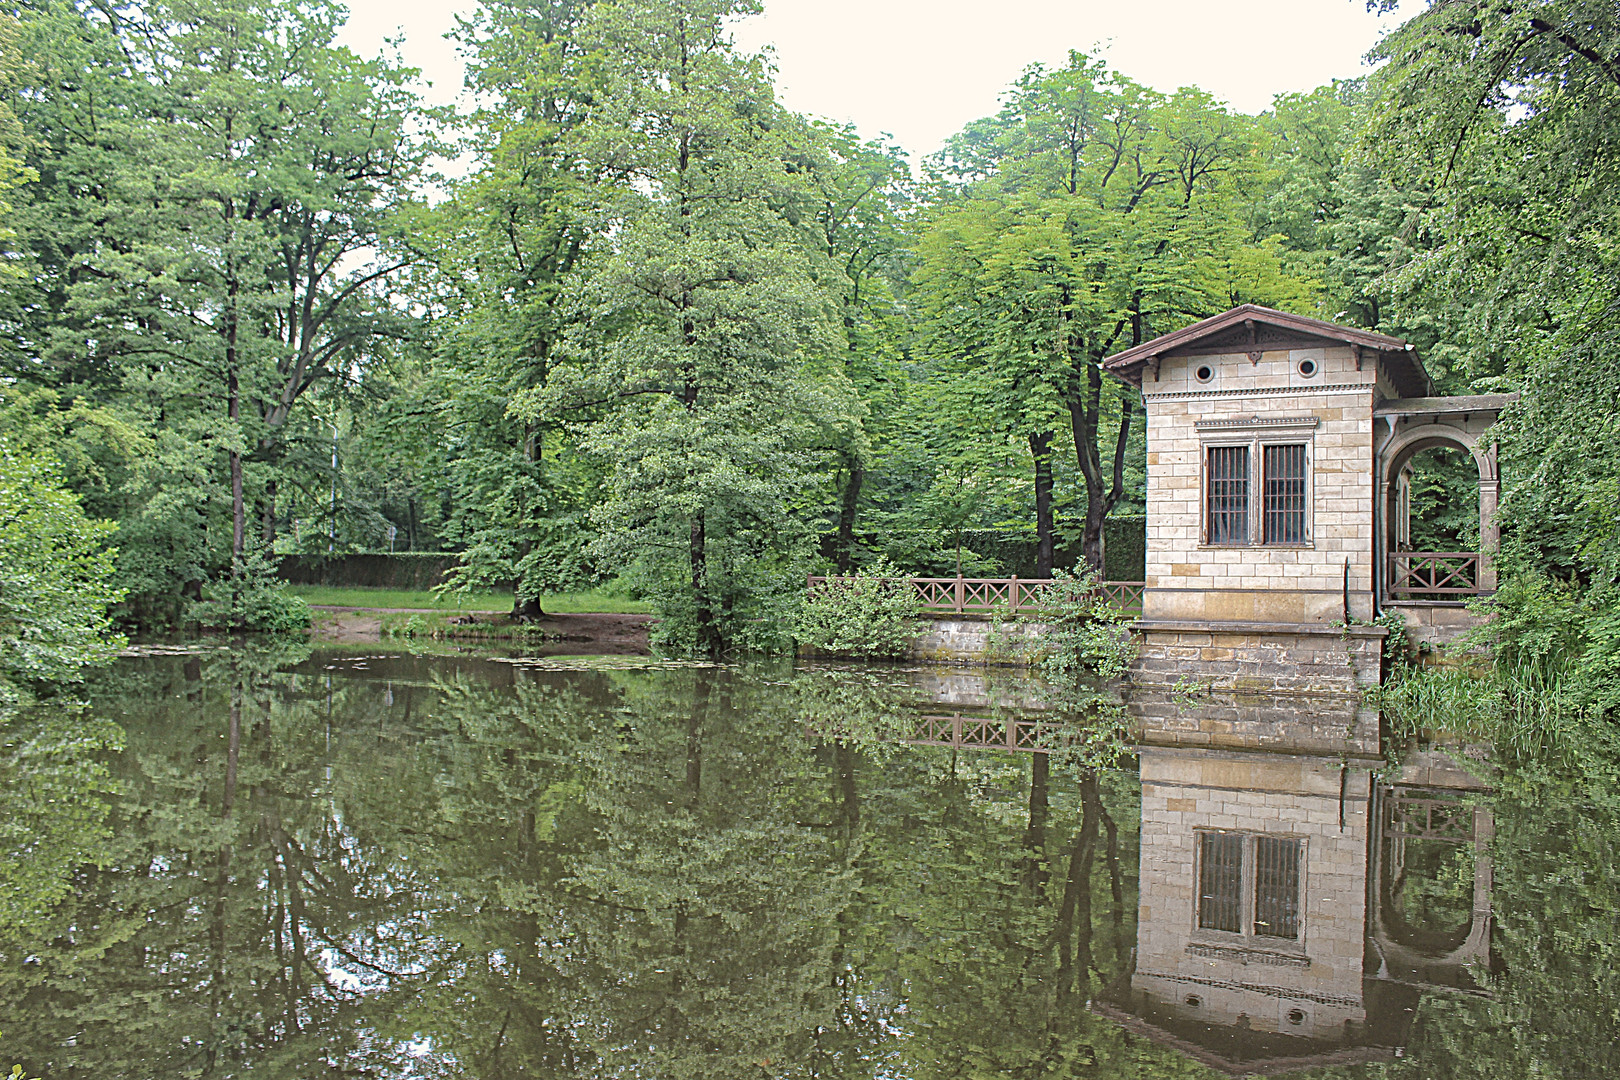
[[603, 632]]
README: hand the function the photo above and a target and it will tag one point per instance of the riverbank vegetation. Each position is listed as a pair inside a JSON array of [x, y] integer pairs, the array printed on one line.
[[663, 328]]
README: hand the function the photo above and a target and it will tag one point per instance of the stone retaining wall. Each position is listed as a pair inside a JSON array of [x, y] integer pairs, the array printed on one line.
[[1436, 622], [967, 640], [1259, 657], [1340, 726]]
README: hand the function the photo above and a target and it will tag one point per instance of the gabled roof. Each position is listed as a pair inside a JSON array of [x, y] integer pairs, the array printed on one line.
[[1252, 327]]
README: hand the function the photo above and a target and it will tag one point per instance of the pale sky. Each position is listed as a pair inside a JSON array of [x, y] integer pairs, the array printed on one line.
[[919, 71]]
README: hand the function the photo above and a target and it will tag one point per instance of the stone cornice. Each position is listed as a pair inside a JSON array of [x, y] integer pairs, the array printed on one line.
[[1260, 423], [1263, 391]]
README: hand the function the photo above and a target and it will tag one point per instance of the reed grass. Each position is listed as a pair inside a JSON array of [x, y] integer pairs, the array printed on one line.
[[1525, 709]]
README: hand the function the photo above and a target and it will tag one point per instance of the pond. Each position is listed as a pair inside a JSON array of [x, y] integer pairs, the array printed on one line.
[[364, 861]]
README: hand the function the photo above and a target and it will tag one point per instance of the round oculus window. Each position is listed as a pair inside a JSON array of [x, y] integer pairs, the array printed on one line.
[[1204, 373], [1193, 1001], [1307, 368], [1296, 1016]]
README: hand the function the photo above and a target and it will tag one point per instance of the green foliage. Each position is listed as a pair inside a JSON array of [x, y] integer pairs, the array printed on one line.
[[256, 599], [1088, 216], [696, 357], [1089, 635], [1088, 649], [1510, 115], [872, 612], [57, 570], [1527, 711], [53, 811], [620, 867], [220, 191]]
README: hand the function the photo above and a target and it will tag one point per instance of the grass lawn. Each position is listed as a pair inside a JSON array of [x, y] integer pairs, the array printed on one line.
[[558, 603]]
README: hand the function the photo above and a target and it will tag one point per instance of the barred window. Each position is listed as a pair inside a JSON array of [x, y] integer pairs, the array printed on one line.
[[1227, 514], [1220, 881], [1276, 887], [1284, 510], [1249, 884]]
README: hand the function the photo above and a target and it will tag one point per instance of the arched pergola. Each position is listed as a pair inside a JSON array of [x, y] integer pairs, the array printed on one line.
[[1405, 954], [1406, 427]]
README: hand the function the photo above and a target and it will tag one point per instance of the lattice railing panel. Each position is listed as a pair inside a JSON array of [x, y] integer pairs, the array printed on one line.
[[1014, 596], [1438, 573]]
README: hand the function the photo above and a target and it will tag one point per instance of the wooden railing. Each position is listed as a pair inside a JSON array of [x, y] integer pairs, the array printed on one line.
[[963, 732], [1434, 573], [983, 733], [1014, 596]]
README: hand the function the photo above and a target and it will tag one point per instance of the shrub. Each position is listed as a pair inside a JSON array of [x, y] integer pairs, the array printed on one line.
[[259, 601], [871, 614], [1090, 647], [1089, 636], [56, 571]]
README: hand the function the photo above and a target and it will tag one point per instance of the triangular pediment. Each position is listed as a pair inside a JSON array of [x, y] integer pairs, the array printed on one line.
[[1260, 335], [1253, 329]]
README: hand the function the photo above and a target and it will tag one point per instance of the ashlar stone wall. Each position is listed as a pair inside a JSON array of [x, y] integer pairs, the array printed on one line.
[[1289, 658], [1310, 987], [1331, 412]]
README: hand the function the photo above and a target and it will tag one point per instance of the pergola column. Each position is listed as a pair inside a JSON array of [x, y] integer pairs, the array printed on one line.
[[1490, 536]]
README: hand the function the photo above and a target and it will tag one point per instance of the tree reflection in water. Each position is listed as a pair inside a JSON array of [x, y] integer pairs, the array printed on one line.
[[396, 865]]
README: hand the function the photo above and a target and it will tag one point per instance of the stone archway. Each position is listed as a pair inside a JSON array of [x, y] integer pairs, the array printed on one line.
[[1406, 428], [1405, 954]]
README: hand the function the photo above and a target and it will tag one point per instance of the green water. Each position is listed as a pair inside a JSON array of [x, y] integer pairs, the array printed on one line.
[[369, 863]]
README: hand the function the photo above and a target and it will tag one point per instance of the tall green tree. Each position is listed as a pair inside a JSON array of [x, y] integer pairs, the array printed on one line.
[[508, 244], [220, 190], [11, 169], [700, 361], [861, 196], [1511, 114], [57, 569], [1088, 216]]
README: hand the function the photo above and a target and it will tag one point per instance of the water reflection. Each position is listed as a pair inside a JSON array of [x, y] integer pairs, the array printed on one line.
[[484, 866], [480, 866], [1274, 856]]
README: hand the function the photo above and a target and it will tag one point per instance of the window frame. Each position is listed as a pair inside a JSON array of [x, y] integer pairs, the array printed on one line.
[[1248, 892], [1248, 496], [1257, 434], [1266, 494]]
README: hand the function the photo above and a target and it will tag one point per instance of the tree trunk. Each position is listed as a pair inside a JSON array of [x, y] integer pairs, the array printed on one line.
[[1116, 879], [1103, 492], [708, 637], [267, 525], [238, 509], [846, 514], [1036, 872], [1040, 448], [1074, 915], [217, 929], [234, 394], [848, 794]]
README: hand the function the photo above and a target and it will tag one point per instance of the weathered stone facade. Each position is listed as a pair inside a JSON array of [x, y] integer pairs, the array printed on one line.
[[1278, 458], [979, 640], [1259, 657], [1309, 987], [1258, 403], [1269, 849], [1341, 727]]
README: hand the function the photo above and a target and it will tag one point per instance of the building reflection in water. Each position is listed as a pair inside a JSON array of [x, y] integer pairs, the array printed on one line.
[[1280, 877]]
